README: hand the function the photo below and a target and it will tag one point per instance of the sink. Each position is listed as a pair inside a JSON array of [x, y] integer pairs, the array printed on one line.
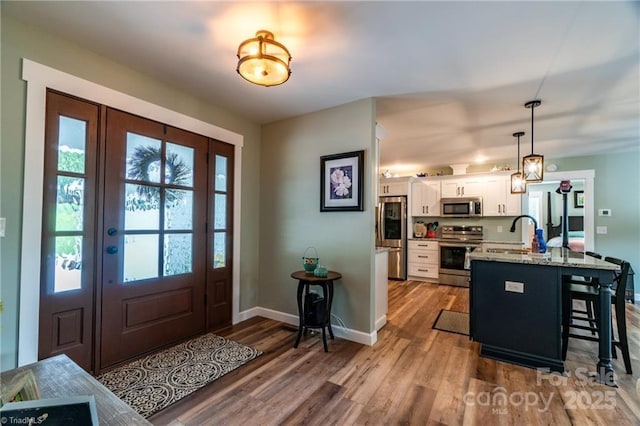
[[507, 251]]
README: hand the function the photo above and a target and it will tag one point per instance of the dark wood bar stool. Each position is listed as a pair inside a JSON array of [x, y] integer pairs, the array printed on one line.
[[586, 314], [587, 292]]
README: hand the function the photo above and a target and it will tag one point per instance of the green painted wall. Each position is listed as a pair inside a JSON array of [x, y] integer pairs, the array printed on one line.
[[19, 40], [290, 217]]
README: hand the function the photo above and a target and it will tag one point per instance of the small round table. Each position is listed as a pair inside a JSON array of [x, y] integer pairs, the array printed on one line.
[[304, 281]]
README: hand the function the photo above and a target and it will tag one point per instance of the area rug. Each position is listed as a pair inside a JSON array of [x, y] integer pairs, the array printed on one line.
[[452, 321], [156, 381]]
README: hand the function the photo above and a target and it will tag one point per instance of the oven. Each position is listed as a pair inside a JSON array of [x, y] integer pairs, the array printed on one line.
[[455, 246]]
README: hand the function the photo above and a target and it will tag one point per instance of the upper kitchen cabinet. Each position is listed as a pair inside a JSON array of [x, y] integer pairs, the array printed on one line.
[[462, 187], [498, 199], [393, 186], [425, 198]]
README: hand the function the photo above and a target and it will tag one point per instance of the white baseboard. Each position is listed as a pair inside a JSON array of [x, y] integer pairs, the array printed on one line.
[[368, 339], [381, 322]]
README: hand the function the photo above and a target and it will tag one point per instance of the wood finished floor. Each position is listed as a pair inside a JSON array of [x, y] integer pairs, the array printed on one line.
[[412, 375]]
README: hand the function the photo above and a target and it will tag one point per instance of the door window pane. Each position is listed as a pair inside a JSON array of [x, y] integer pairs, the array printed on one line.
[[178, 213], [68, 269], [221, 173], [143, 158], [220, 212], [142, 207], [177, 254], [140, 257], [179, 165], [219, 251], [72, 135], [69, 203]]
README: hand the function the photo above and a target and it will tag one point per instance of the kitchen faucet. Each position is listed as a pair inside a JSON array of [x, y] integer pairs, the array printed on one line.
[[513, 225]]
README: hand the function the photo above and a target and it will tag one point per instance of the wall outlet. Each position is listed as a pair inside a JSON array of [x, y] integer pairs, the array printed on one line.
[[601, 229], [604, 212], [514, 287], [499, 228]]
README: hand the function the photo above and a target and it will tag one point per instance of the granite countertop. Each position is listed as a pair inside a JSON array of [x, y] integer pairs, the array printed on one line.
[[517, 243], [557, 256]]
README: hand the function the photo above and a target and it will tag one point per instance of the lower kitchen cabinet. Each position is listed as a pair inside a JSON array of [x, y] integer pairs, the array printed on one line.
[[423, 260]]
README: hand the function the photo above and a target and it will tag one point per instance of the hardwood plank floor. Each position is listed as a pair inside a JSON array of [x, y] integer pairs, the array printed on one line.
[[412, 375]]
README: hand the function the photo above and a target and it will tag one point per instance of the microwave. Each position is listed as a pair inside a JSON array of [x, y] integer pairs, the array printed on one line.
[[461, 207]]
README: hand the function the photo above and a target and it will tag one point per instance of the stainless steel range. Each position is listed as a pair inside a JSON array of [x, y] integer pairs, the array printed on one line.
[[456, 244]]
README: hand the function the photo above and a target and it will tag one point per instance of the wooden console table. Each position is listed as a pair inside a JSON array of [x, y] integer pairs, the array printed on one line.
[[304, 281], [60, 377]]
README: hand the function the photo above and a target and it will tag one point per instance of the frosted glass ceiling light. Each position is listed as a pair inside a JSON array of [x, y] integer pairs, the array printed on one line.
[[533, 164], [518, 184], [263, 61]]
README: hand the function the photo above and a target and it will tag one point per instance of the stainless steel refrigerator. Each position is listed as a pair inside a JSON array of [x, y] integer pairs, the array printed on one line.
[[391, 232]]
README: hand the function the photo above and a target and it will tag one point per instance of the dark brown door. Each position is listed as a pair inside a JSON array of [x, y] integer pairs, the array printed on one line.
[[220, 235], [154, 251], [67, 287]]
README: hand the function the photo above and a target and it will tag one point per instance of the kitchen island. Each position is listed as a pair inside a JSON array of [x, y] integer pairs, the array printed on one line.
[[516, 306]]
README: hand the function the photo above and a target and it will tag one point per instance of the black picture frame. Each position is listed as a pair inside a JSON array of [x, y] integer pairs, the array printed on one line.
[[578, 199], [342, 182]]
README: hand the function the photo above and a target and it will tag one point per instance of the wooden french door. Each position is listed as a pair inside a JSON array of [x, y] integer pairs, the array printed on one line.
[[137, 234], [154, 246]]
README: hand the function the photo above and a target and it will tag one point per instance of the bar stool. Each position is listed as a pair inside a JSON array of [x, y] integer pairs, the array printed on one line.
[[586, 314], [589, 294]]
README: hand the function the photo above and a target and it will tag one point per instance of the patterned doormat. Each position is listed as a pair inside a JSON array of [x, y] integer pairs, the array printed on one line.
[[452, 321], [158, 380]]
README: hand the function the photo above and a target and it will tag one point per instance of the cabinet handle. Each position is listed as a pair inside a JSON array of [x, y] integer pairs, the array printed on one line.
[[499, 208], [424, 257], [422, 209], [504, 208], [423, 245], [427, 209], [458, 190], [462, 191], [423, 270]]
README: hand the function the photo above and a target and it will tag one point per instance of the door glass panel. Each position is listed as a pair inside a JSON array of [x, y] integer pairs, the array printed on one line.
[[68, 270], [69, 203], [177, 254], [140, 257], [142, 207], [219, 251], [179, 165], [178, 213], [220, 216], [143, 158], [221, 173], [71, 144]]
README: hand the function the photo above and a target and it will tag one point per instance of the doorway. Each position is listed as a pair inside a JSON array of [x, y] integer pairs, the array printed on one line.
[[126, 241]]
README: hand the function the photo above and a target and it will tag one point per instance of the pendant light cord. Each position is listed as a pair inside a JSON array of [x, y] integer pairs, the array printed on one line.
[[532, 108]]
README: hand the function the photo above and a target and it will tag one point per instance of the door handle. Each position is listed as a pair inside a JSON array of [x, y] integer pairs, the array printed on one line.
[[112, 231], [112, 249]]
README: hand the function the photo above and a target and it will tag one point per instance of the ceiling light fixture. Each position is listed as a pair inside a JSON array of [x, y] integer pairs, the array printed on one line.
[[518, 183], [263, 61], [533, 164]]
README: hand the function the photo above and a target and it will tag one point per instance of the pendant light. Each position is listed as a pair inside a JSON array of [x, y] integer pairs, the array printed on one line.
[[263, 61], [533, 164], [518, 184]]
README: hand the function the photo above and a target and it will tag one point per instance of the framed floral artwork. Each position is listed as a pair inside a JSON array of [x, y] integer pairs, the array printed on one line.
[[341, 182]]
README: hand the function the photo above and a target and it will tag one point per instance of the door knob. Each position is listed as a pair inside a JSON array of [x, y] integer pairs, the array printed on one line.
[[112, 249], [112, 231]]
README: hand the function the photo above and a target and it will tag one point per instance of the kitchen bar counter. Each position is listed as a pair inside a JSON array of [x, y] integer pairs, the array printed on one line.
[[516, 306]]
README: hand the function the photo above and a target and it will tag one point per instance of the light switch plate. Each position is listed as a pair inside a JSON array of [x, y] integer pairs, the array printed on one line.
[[604, 212], [3, 226], [499, 228], [601, 229], [514, 287]]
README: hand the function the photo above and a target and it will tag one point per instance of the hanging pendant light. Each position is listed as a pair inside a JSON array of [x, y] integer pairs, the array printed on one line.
[[263, 61], [533, 164], [518, 183]]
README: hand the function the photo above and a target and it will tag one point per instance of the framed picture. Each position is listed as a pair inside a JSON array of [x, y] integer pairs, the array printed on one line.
[[341, 182], [578, 199]]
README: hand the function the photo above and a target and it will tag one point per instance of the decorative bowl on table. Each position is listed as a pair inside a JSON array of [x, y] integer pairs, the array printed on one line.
[[321, 271]]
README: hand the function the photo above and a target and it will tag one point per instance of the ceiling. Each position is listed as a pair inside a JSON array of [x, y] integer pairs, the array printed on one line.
[[450, 78]]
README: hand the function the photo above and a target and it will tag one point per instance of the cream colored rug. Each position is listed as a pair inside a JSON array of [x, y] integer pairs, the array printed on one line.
[[154, 382], [452, 321]]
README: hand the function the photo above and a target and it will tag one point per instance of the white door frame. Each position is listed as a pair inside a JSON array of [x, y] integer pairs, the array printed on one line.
[[40, 77]]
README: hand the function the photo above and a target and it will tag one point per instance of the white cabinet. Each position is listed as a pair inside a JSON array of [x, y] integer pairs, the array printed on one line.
[[393, 186], [498, 199], [425, 198], [423, 259], [462, 187]]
